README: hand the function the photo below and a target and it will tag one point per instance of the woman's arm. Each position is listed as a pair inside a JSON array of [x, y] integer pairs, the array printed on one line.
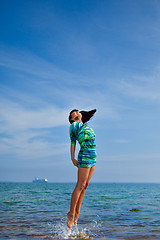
[[75, 162]]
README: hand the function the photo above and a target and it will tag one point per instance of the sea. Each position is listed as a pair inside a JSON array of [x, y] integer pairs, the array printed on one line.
[[38, 211]]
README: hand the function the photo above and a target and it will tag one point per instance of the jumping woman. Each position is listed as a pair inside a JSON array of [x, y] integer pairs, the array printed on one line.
[[86, 159]]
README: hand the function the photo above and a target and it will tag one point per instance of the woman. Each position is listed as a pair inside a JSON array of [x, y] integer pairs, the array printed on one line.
[[86, 159]]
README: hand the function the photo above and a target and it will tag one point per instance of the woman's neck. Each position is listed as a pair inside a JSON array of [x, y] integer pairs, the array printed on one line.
[[78, 121]]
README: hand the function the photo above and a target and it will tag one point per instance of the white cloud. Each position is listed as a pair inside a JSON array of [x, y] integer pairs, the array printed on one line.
[[70, 89], [22, 148], [121, 141], [24, 131], [29, 63], [147, 88], [32, 144], [131, 157], [15, 117]]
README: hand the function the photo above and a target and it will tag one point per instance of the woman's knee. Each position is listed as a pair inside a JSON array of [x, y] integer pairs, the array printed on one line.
[[82, 185], [86, 185]]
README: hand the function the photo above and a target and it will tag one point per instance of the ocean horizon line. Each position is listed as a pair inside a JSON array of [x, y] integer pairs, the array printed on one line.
[[27, 182]]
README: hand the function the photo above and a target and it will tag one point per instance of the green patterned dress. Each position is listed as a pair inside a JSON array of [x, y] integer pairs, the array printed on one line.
[[86, 138]]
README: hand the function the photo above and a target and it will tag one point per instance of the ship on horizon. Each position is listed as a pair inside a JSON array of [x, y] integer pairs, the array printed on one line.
[[40, 180]]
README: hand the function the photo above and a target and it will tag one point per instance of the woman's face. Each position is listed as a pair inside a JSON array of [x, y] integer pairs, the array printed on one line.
[[76, 115]]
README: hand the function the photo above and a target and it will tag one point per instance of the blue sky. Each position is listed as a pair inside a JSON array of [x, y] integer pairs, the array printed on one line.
[[60, 55]]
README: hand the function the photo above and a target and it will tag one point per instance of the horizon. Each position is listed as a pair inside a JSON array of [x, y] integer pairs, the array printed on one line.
[[75, 182]]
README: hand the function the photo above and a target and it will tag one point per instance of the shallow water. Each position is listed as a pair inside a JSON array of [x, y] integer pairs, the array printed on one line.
[[38, 211]]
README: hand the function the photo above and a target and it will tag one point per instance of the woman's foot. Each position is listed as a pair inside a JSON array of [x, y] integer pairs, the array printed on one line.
[[76, 219], [70, 219]]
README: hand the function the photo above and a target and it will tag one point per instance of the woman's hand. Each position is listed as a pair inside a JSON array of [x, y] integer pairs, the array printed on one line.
[[75, 162]]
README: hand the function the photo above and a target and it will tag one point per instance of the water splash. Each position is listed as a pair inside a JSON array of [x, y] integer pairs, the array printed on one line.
[[61, 231]]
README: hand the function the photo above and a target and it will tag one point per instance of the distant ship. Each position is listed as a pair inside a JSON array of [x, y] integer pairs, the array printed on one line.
[[40, 180]]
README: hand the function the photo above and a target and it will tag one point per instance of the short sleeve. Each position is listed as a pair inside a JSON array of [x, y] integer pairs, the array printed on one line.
[[73, 134]]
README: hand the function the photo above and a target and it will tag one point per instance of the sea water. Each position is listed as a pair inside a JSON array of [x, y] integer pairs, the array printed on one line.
[[38, 211]]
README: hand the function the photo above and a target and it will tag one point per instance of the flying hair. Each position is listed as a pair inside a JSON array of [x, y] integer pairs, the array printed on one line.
[[86, 115]]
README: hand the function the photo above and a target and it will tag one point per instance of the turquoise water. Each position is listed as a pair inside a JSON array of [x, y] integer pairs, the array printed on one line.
[[38, 211]]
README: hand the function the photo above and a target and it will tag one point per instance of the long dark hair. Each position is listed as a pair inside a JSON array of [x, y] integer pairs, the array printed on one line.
[[86, 115]]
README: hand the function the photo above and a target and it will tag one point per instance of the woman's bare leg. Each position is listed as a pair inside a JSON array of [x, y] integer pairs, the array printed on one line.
[[83, 174], [78, 206]]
